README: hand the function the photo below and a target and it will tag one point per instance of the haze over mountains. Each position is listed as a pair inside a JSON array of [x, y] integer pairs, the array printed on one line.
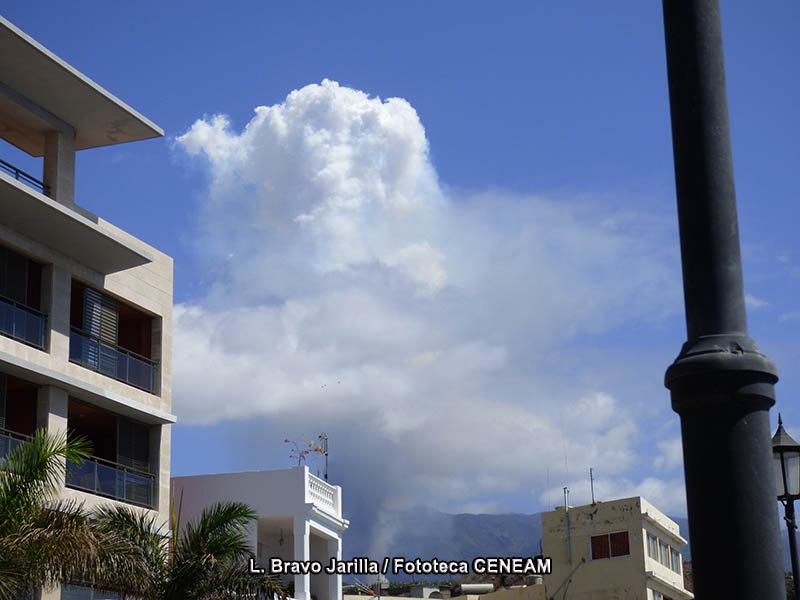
[[425, 533]]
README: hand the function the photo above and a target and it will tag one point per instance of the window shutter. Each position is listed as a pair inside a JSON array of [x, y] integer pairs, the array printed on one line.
[[101, 321], [100, 315], [600, 547]]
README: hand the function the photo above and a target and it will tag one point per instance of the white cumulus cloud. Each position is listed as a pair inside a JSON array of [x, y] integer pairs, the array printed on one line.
[[417, 328]]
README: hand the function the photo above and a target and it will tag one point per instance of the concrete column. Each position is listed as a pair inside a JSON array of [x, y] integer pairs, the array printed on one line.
[[302, 552], [52, 404], [160, 443], [59, 166], [334, 590], [58, 295], [54, 594]]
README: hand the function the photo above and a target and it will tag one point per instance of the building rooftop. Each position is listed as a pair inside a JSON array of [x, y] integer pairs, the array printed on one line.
[[40, 92]]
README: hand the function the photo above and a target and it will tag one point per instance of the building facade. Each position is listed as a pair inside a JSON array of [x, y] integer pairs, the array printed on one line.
[[299, 519], [625, 549], [85, 308]]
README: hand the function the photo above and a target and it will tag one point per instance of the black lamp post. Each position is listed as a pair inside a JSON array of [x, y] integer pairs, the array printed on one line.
[[787, 469], [721, 384]]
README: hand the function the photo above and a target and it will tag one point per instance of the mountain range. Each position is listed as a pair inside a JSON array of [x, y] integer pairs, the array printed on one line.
[[425, 533]]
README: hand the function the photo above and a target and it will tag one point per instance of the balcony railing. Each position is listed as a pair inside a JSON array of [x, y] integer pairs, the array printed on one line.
[[323, 494], [112, 480], [24, 177], [112, 360], [9, 440], [22, 323]]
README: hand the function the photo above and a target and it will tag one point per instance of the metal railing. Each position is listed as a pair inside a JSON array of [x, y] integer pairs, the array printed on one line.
[[22, 323], [112, 360], [24, 177], [112, 480], [10, 440]]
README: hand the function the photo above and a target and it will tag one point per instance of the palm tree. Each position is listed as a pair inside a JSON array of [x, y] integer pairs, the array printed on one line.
[[45, 541], [206, 560]]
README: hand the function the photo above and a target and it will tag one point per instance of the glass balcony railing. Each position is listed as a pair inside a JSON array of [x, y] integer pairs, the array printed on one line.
[[112, 480], [22, 323], [114, 361], [9, 440]]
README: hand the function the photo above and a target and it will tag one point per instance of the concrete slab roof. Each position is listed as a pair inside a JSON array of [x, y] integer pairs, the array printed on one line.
[[57, 93], [38, 217]]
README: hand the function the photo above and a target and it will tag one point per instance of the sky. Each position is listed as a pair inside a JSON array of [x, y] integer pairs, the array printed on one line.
[[443, 234]]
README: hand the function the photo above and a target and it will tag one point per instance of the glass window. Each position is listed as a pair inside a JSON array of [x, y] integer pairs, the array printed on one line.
[[652, 546], [676, 561], [664, 553]]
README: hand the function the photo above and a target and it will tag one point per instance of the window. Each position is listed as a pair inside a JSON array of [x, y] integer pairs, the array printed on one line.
[[652, 546], [20, 299], [17, 412], [676, 560], [660, 596], [600, 547], [120, 466], [609, 545], [111, 338], [664, 557], [619, 544]]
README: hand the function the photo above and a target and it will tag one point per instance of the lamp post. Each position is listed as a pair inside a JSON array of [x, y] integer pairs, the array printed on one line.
[[721, 385], [786, 452]]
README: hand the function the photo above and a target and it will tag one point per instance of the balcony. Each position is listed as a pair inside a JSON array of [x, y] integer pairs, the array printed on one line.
[[24, 177], [112, 360], [22, 323], [323, 495], [32, 213], [9, 441], [112, 480]]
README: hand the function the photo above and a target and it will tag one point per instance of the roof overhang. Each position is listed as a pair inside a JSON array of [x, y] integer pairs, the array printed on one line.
[[44, 220], [34, 73]]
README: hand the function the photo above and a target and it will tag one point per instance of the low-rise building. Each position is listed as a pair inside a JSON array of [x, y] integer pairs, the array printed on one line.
[[299, 519], [624, 548]]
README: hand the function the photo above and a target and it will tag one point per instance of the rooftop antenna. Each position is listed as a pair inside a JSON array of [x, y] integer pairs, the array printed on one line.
[[566, 516], [548, 489], [591, 483]]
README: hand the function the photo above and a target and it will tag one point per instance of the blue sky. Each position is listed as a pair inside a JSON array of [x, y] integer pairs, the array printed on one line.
[[527, 309]]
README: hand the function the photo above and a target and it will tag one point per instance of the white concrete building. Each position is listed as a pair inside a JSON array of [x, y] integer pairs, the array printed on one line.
[[624, 548], [299, 518], [85, 308]]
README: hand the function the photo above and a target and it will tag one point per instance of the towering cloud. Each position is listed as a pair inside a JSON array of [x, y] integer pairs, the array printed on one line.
[[423, 332]]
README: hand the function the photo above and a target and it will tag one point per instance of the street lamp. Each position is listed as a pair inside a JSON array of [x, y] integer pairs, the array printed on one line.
[[787, 468], [721, 384]]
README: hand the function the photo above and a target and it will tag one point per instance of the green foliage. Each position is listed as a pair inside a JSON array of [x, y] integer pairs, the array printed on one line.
[[43, 540], [205, 560]]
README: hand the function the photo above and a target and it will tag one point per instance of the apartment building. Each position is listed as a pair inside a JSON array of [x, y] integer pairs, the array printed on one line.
[[624, 548], [85, 308]]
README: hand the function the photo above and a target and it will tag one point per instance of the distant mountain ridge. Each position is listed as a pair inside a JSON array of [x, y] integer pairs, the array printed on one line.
[[425, 533]]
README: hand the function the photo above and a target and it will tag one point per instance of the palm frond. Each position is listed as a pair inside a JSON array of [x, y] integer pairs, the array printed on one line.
[[33, 472]]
